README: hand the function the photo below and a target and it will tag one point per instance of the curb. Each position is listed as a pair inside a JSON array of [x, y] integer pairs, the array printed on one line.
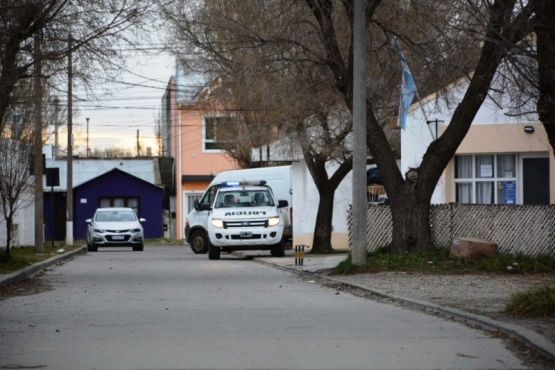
[[30, 271]]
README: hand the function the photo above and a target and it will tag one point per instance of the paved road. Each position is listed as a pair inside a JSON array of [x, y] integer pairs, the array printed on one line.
[[166, 308]]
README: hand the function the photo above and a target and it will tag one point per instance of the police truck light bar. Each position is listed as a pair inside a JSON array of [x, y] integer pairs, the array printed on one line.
[[241, 183]]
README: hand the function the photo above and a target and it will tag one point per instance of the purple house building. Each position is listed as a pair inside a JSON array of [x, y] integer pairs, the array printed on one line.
[[133, 183], [117, 188]]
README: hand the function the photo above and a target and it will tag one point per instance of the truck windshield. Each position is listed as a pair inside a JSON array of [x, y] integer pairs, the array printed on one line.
[[244, 198]]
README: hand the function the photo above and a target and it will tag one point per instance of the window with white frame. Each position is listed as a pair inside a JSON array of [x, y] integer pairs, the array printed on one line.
[[215, 129], [191, 198], [485, 179]]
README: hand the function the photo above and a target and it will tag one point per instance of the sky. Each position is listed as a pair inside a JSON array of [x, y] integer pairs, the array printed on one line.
[[133, 103]]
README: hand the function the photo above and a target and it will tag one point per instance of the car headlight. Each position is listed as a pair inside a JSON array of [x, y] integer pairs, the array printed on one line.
[[216, 222], [136, 230], [99, 230], [273, 221]]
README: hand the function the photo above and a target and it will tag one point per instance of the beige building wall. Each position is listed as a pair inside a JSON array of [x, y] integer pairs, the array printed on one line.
[[504, 139]]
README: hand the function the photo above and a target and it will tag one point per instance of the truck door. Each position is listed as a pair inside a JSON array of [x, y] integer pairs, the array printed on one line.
[[202, 208]]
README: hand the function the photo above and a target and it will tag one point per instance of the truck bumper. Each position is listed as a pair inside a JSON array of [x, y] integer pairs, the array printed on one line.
[[245, 237]]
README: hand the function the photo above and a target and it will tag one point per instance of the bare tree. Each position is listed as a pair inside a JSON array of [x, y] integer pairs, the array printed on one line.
[[99, 28], [311, 42], [274, 65], [15, 183], [265, 99], [495, 28]]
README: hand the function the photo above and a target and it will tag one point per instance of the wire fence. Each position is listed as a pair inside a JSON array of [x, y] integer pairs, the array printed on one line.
[[526, 229]]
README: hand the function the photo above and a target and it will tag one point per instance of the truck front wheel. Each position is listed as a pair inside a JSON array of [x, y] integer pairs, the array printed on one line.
[[278, 250], [199, 242], [213, 252]]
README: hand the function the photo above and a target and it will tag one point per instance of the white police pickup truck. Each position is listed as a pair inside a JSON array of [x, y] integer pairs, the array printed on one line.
[[237, 215]]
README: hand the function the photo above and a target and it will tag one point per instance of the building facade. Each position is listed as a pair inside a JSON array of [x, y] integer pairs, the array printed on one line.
[[505, 157]]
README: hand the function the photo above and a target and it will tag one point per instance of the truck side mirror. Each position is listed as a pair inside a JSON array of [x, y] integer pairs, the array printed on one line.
[[204, 207], [197, 206], [283, 203]]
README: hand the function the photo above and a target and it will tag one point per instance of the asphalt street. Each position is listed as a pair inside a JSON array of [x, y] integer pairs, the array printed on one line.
[[167, 308]]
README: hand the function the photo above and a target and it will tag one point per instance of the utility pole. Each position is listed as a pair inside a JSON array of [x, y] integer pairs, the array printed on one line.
[[69, 190], [37, 147], [56, 125], [138, 145], [88, 150], [360, 208]]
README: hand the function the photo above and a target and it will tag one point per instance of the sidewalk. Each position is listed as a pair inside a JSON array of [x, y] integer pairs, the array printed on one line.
[[393, 286], [35, 268]]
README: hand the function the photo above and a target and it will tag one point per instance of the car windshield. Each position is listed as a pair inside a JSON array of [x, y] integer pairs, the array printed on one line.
[[115, 216], [244, 198]]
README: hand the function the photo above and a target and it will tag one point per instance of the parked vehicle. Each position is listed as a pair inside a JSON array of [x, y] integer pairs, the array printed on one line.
[[237, 215], [278, 178], [115, 227]]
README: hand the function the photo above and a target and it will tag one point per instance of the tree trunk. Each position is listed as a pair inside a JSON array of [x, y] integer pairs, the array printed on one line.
[[322, 231], [410, 214], [9, 224], [545, 33], [326, 186]]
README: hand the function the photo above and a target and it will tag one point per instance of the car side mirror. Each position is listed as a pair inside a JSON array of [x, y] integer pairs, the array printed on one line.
[[88, 220], [283, 203], [142, 219]]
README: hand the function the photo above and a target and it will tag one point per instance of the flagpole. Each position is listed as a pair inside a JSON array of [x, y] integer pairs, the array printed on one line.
[[425, 117]]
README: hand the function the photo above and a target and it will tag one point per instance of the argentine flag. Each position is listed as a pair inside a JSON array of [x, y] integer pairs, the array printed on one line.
[[408, 88]]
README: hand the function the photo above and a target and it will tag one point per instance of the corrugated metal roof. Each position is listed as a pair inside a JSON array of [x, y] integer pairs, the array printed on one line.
[[88, 169]]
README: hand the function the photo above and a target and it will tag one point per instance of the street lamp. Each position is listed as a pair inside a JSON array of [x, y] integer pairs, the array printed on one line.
[[436, 121], [56, 102]]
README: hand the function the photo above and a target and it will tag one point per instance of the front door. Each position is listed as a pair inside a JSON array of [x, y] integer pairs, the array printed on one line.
[[535, 180]]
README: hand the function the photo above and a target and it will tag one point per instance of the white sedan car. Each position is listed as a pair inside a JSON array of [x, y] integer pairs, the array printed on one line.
[[115, 227]]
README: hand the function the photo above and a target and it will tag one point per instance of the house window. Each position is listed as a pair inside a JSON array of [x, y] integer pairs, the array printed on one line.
[[485, 179], [191, 198], [130, 202], [217, 131]]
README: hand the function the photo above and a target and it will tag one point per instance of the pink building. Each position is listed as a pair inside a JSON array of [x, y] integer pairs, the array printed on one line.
[[190, 136]]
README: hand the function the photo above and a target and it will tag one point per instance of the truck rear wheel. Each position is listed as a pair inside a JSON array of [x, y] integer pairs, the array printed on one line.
[[199, 242], [213, 252]]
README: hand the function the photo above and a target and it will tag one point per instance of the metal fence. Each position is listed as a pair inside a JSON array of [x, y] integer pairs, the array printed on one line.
[[526, 229]]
